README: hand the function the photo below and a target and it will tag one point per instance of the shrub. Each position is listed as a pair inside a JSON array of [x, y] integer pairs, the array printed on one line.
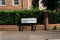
[[53, 18], [14, 17]]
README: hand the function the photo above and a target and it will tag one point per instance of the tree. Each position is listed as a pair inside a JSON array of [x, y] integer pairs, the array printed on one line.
[[50, 4], [35, 3]]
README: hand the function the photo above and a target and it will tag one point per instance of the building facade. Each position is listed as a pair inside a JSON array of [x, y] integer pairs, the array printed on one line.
[[18, 4]]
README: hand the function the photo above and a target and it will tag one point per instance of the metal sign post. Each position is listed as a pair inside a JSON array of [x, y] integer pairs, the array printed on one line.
[[30, 21]]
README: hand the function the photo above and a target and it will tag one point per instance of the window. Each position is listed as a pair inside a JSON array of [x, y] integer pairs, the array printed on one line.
[[2, 2], [15, 2]]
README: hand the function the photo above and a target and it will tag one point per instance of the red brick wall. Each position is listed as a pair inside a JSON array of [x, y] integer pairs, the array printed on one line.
[[27, 28], [25, 4], [9, 28], [9, 5]]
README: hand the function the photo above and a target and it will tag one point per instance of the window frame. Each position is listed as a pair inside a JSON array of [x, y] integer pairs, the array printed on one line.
[[14, 4], [1, 2]]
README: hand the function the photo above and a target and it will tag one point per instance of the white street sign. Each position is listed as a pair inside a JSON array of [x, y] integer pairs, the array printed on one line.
[[28, 20]]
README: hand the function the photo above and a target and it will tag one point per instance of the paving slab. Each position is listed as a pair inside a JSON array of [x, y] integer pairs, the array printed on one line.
[[32, 35]]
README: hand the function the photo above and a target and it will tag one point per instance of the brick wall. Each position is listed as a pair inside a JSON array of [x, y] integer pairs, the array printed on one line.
[[23, 4], [9, 5], [27, 27], [29, 4], [9, 28]]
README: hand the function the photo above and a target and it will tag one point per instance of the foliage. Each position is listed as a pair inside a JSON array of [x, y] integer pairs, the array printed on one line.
[[50, 4], [14, 17]]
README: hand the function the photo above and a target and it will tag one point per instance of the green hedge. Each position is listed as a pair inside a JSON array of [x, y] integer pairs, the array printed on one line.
[[14, 17]]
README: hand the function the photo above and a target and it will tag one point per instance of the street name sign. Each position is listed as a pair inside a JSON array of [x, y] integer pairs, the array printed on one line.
[[28, 20]]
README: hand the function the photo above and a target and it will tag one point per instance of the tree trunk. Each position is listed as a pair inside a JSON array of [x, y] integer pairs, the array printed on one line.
[[45, 21]]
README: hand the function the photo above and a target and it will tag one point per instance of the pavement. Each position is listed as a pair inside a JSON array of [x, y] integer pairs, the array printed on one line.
[[29, 35]]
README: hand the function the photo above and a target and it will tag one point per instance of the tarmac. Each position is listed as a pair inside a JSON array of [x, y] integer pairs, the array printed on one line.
[[29, 35]]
